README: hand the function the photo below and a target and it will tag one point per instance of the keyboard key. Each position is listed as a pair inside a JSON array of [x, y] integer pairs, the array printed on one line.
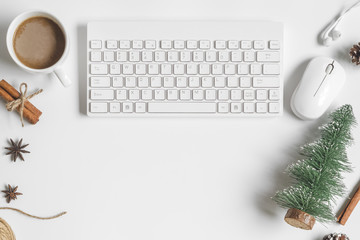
[[166, 69], [121, 56], [118, 82], [134, 56], [259, 45], [143, 82], [268, 56], [173, 56], [147, 94], [245, 82], [224, 56], [204, 44], [191, 44], [130, 82], [223, 94], [249, 56], [155, 82], [198, 56], [198, 94], [98, 69], [246, 45], [235, 107], [134, 94], [232, 82], [271, 69], [233, 44], [98, 107], [181, 82], [121, 94], [182, 107], [179, 69], [204, 69], [159, 94], [220, 44], [124, 44], [102, 94], [217, 69], [100, 81], [150, 44], [95, 56], [261, 107], [115, 69], [210, 56], [249, 107], [219, 82], [147, 56], [128, 107], [172, 94], [255, 69], [153, 68], [169, 82], [185, 56], [194, 82], [243, 69], [261, 94], [210, 94], [274, 94], [140, 107], [140, 69], [95, 44], [230, 69], [109, 56], [191, 69], [111, 44], [236, 56], [137, 44], [274, 107], [115, 107], [206, 82], [274, 45], [249, 95], [235, 94], [266, 82], [185, 94], [165, 44], [223, 107], [179, 44], [128, 69], [159, 56]]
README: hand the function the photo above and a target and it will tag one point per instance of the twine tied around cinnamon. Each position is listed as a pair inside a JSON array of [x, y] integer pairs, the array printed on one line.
[[11, 106]]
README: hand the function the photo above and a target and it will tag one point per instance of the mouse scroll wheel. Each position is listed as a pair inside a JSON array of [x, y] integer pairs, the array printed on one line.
[[329, 68]]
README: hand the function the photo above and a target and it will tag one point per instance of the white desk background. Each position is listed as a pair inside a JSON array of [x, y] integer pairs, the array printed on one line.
[[166, 178]]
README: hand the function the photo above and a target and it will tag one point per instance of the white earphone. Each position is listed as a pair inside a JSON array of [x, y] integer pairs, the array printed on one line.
[[331, 33]]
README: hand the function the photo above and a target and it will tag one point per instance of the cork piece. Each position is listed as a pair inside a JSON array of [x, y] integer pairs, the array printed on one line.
[[299, 219]]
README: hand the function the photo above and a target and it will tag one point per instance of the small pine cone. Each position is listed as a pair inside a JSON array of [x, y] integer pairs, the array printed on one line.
[[336, 236], [355, 54]]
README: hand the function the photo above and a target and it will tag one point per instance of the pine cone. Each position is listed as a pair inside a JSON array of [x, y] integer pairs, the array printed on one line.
[[336, 236], [355, 54]]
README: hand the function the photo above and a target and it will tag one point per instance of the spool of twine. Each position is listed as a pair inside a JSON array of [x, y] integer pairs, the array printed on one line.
[[5, 231]]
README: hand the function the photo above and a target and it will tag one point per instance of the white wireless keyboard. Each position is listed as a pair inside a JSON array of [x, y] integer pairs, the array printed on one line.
[[184, 68]]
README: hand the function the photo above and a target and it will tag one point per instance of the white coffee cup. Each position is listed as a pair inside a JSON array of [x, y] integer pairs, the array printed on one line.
[[55, 68]]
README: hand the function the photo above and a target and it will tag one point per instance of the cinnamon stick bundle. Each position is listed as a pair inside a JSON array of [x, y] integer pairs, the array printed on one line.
[[9, 93], [345, 214]]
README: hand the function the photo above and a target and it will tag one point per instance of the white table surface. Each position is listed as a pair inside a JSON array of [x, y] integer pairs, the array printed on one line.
[[166, 178]]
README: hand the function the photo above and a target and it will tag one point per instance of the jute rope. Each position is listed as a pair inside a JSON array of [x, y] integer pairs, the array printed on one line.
[[11, 106], [5, 231], [29, 215]]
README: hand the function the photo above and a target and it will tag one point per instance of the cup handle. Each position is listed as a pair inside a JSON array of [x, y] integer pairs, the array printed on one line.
[[64, 79]]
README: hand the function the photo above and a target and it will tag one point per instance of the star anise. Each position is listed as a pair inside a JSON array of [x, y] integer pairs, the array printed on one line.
[[11, 193], [16, 150]]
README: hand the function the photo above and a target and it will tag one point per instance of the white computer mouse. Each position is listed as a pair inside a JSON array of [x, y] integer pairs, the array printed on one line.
[[322, 81]]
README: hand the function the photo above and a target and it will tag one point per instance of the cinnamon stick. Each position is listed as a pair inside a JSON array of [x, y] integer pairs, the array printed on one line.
[[31, 117], [345, 214], [15, 94]]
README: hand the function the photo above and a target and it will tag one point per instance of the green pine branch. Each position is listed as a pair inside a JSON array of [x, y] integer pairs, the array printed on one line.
[[318, 176]]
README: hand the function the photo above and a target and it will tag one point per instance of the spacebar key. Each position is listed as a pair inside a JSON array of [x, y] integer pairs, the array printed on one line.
[[182, 108]]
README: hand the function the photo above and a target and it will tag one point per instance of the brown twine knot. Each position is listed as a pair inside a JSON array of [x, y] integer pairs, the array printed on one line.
[[11, 106]]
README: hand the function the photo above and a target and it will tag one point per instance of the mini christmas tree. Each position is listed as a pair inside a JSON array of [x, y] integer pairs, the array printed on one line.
[[318, 177]]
